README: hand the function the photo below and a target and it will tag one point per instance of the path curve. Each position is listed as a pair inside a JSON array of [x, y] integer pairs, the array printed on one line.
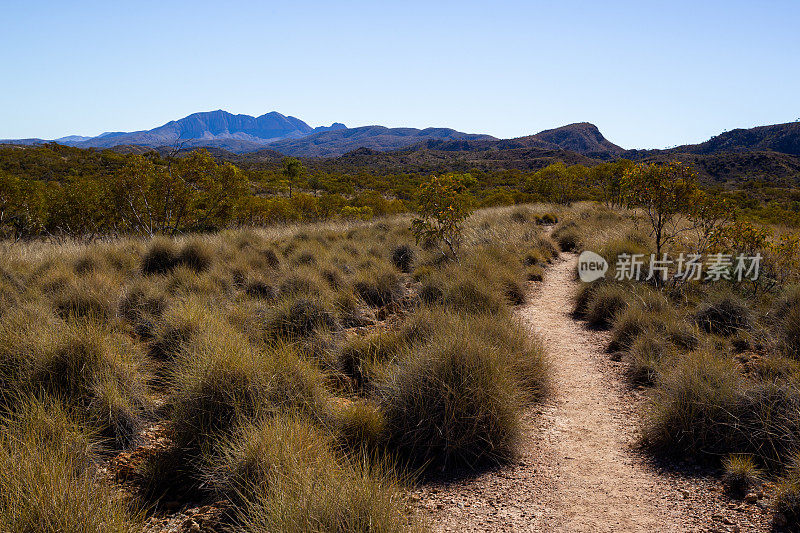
[[577, 470]]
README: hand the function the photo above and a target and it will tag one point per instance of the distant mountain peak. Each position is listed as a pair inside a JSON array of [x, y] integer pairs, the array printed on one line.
[[581, 137]]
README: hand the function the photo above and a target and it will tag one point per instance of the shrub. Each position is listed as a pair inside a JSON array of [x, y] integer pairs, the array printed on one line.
[[299, 317], [258, 288], [633, 321], [724, 315], [613, 249], [690, 411], [514, 292], [520, 215], [548, 219], [741, 474], [524, 354], [471, 297], [94, 296], [221, 380], [358, 425], [303, 283], [258, 453], [403, 258], [378, 288], [160, 257], [195, 255], [47, 480], [180, 322], [142, 304], [644, 358], [332, 278], [286, 476], [605, 303], [535, 273], [81, 363], [790, 332], [568, 237], [766, 424], [453, 404], [362, 357], [534, 257], [583, 298]]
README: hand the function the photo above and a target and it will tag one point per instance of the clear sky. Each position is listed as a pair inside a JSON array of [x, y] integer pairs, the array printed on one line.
[[648, 74]]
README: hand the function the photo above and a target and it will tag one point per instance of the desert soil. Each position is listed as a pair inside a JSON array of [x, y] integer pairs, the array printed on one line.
[[578, 468]]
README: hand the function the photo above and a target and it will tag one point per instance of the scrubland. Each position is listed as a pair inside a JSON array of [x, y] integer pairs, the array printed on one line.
[[717, 360], [303, 375]]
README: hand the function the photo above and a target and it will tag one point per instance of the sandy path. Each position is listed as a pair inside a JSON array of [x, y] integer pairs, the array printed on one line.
[[599, 484], [577, 471]]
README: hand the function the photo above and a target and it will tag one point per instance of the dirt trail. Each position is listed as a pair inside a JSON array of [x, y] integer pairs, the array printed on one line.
[[577, 471]]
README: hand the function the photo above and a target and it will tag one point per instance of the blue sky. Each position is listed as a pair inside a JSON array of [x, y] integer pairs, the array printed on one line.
[[648, 74]]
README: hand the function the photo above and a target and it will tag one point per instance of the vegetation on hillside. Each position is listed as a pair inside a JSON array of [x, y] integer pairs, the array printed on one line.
[[55, 190]]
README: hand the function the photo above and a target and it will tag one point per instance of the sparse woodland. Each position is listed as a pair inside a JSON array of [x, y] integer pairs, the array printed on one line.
[[302, 376]]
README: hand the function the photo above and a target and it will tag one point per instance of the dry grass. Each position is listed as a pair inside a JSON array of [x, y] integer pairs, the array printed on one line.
[[246, 339], [48, 481]]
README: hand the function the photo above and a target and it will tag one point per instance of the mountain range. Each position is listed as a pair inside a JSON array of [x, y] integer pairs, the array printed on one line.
[[291, 136], [735, 154]]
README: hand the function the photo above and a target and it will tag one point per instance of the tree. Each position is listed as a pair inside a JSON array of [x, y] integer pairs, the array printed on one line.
[[663, 192], [608, 177], [292, 170], [443, 204]]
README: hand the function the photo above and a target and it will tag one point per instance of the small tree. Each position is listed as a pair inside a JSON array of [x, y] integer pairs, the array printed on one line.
[[664, 192], [443, 204], [292, 170]]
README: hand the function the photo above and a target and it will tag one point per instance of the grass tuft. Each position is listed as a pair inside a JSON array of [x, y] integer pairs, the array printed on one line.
[[741, 474], [724, 315]]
